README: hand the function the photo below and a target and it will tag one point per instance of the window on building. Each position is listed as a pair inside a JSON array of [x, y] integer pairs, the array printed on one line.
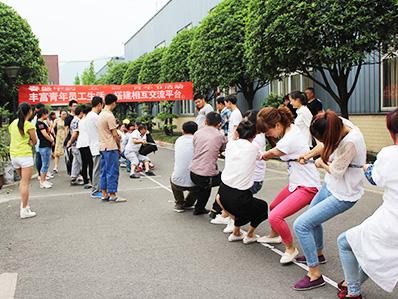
[[390, 83], [290, 83], [187, 107], [189, 26], [161, 45]]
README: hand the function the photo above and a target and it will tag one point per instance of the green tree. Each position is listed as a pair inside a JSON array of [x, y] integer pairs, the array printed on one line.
[[115, 73], [77, 80], [151, 66], [88, 76], [19, 45], [217, 53], [133, 71], [331, 38], [175, 59]]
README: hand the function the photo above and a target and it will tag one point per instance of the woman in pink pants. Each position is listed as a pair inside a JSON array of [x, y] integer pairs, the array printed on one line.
[[304, 180]]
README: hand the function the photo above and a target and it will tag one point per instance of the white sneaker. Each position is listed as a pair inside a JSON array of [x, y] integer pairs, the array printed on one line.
[[49, 176], [26, 213], [45, 185], [288, 258], [229, 228], [233, 238], [220, 220], [248, 240], [266, 239]]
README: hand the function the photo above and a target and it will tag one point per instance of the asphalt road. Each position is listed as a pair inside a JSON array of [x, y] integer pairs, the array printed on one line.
[[78, 247]]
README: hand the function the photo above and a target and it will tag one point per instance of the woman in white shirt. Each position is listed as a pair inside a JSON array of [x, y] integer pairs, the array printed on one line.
[[234, 194], [304, 179], [343, 153], [304, 115], [371, 248], [83, 144]]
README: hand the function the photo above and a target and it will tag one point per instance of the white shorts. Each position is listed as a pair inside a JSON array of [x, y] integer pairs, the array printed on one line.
[[22, 162], [136, 158]]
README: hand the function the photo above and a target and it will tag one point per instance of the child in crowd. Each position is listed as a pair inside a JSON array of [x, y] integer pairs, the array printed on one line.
[[136, 140], [180, 179], [371, 248], [45, 147], [343, 147], [237, 178], [304, 179]]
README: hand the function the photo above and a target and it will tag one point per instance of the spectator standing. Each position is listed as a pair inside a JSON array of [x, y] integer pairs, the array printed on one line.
[[68, 133], [202, 109], [110, 150], [23, 137], [45, 147], [37, 154], [76, 166], [236, 115], [225, 114], [314, 104], [304, 115], [59, 130], [83, 144], [94, 144]]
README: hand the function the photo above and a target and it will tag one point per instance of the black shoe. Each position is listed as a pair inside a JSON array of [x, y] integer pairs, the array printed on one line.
[[149, 173], [212, 215], [200, 212], [185, 207], [134, 176]]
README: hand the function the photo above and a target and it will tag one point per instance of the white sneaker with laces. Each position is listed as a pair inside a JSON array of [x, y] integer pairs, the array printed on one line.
[[26, 213], [266, 239], [247, 240], [45, 185], [220, 220], [288, 258], [233, 238], [229, 228]]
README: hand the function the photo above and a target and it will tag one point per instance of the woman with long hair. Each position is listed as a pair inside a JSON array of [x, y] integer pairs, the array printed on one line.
[[371, 248], [304, 179], [23, 138], [343, 152], [304, 115], [59, 130]]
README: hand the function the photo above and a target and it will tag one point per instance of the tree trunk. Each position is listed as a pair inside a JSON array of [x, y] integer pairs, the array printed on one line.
[[248, 92]]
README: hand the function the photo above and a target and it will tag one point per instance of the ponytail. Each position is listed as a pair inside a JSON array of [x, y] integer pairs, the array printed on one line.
[[23, 111], [327, 128], [268, 117]]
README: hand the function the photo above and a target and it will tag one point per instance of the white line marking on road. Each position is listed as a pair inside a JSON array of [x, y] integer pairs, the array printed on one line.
[[8, 284], [272, 248], [305, 267], [74, 193]]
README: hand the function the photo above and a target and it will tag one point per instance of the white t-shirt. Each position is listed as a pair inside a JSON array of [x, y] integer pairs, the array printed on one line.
[[82, 139], [92, 133], [234, 121], [346, 183], [183, 154], [240, 161], [293, 144], [259, 171], [375, 241], [201, 117], [131, 146], [125, 140], [303, 122]]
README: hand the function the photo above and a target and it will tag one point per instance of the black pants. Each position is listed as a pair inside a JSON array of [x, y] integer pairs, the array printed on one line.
[[205, 183], [87, 164], [68, 160], [242, 205], [180, 199]]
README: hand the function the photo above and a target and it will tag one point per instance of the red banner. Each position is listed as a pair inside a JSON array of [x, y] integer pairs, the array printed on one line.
[[62, 94]]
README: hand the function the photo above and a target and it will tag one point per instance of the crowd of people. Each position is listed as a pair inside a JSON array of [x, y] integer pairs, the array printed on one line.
[[299, 133], [307, 138]]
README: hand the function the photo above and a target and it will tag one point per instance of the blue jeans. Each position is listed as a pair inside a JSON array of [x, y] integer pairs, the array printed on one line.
[[45, 155], [353, 273], [308, 226], [109, 171]]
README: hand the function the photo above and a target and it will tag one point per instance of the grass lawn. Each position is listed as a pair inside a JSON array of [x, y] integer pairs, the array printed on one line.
[[159, 135]]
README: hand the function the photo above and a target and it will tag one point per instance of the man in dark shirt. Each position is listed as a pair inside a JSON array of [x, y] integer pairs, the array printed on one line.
[[314, 104]]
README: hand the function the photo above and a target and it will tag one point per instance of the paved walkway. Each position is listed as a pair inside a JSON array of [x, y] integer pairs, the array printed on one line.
[[78, 247]]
